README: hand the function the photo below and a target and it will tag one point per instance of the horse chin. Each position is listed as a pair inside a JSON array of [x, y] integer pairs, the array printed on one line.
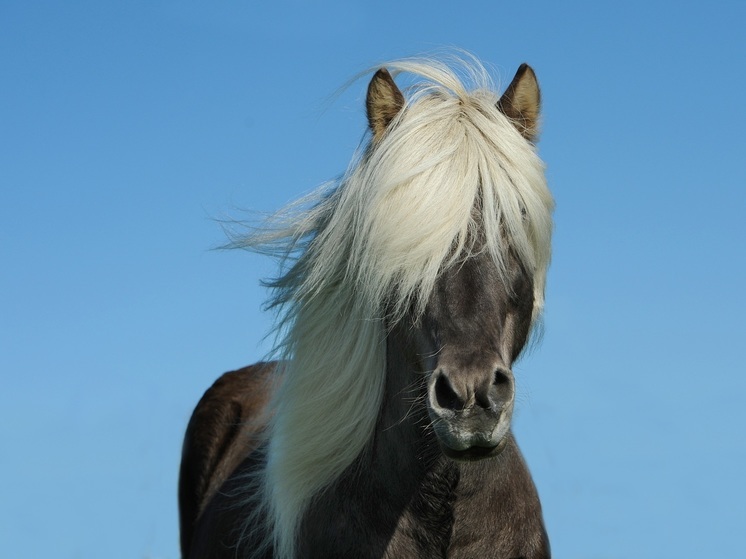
[[475, 453]]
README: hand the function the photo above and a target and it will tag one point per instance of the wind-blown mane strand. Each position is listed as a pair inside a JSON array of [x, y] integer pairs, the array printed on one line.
[[450, 169]]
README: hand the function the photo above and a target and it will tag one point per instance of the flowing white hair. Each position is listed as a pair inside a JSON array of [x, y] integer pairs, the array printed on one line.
[[451, 168]]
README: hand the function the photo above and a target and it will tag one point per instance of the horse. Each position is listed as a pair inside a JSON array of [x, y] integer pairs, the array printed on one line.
[[408, 289]]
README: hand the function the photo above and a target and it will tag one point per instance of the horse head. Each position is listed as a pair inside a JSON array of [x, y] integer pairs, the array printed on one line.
[[478, 315]]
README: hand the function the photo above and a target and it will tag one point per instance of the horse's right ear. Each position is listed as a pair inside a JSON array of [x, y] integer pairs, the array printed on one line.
[[383, 103]]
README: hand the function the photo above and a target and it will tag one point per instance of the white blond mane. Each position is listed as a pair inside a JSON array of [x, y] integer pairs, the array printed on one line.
[[450, 163]]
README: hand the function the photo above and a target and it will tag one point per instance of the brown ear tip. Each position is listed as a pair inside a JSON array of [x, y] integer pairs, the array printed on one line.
[[525, 69], [382, 74], [383, 102]]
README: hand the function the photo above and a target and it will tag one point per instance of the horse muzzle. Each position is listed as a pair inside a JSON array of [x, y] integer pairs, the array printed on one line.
[[471, 413]]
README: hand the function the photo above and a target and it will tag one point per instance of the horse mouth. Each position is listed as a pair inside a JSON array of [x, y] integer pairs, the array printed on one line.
[[475, 453]]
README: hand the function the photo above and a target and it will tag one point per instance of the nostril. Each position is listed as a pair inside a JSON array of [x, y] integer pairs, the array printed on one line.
[[501, 391], [500, 378], [445, 395]]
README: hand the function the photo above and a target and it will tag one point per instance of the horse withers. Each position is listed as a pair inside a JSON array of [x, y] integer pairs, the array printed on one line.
[[409, 290]]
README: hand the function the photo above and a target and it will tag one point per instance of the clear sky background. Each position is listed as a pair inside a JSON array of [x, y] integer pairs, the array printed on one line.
[[127, 128]]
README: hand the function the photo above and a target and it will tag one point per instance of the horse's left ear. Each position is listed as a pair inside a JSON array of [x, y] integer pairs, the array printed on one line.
[[383, 103], [521, 102]]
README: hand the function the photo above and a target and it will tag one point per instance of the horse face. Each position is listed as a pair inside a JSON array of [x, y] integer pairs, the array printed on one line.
[[474, 327]]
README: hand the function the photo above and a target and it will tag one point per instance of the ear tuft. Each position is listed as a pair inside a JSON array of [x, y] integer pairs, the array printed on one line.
[[383, 103], [521, 102]]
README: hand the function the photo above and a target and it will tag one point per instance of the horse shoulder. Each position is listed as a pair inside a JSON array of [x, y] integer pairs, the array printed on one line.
[[223, 430]]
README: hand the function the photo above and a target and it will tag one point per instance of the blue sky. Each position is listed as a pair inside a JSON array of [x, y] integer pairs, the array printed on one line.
[[127, 128]]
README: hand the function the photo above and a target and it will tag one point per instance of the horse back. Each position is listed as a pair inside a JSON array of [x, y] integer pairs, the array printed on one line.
[[223, 430]]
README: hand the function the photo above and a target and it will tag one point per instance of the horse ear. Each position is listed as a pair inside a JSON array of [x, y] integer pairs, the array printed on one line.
[[521, 102], [383, 103]]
